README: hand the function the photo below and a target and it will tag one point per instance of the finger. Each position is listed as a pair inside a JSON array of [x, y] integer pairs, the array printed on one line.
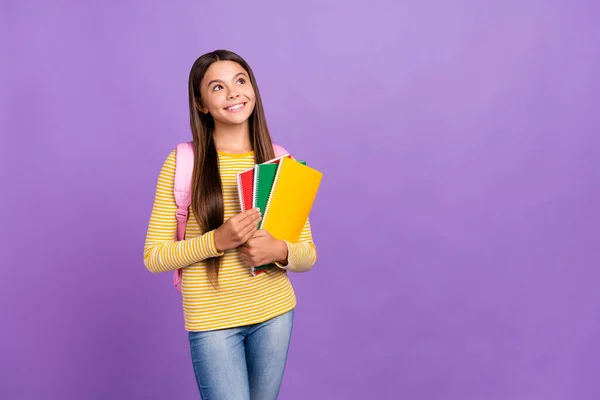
[[250, 214], [246, 238], [252, 220], [250, 228], [248, 225], [260, 233], [255, 238], [247, 261]]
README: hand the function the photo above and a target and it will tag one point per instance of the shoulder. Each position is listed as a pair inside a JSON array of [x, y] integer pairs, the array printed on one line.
[[168, 165], [171, 158]]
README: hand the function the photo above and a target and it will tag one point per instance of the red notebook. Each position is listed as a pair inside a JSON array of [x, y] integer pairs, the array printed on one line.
[[245, 183]]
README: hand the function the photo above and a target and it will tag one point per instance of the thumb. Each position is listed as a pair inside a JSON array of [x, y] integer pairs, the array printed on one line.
[[260, 233]]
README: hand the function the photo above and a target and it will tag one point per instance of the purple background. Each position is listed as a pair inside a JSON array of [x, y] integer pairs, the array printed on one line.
[[457, 222]]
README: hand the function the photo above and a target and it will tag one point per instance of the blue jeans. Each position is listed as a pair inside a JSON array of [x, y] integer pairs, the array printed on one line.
[[244, 363]]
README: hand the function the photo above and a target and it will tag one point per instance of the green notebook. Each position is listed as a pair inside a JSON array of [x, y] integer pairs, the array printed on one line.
[[264, 177]]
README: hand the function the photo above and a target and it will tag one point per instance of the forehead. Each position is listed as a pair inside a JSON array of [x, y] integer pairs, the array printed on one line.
[[223, 70]]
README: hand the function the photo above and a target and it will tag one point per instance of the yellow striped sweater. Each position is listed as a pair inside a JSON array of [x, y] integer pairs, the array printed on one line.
[[241, 298]]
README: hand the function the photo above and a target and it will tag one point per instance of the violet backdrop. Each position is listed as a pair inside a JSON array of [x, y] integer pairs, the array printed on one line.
[[457, 222]]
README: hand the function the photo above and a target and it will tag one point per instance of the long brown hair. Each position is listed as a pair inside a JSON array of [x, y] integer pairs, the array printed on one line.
[[207, 192]]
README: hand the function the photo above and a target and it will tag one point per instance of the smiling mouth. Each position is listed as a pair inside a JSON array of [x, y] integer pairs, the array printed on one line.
[[236, 107]]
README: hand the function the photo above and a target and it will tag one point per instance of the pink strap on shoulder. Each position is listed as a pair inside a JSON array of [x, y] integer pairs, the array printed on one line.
[[184, 167], [182, 189], [279, 151]]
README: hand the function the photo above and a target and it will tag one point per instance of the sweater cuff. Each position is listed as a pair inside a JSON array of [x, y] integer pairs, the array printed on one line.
[[289, 256], [207, 246]]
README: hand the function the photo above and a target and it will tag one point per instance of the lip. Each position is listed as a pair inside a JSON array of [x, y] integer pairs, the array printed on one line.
[[243, 105]]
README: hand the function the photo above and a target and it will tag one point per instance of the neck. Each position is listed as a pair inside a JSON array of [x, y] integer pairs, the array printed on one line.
[[232, 138]]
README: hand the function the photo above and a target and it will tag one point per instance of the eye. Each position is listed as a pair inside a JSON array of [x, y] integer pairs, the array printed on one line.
[[241, 81], [217, 87]]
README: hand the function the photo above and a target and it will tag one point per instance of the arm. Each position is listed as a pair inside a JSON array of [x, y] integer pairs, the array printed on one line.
[[161, 251], [300, 256]]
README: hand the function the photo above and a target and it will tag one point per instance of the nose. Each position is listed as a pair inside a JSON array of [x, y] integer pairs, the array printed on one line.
[[233, 95]]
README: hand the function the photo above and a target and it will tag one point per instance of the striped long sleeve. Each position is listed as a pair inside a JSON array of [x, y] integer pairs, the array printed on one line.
[[302, 255], [162, 252]]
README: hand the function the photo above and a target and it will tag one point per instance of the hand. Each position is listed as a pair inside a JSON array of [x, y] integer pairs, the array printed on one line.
[[237, 230], [263, 249]]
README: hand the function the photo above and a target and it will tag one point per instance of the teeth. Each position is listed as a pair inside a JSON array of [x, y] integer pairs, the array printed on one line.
[[236, 107]]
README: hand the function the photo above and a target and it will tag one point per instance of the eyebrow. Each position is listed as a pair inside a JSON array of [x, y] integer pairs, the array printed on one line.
[[218, 80]]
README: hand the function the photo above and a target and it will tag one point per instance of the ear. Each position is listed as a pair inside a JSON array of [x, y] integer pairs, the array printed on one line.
[[200, 107]]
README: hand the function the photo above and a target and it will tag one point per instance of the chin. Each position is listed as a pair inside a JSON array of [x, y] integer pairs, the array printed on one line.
[[232, 121], [235, 119]]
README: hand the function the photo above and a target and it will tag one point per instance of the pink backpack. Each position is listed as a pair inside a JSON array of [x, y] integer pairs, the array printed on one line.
[[184, 165]]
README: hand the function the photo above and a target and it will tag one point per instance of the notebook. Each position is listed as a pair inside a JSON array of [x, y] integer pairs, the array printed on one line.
[[245, 185], [264, 176], [245, 181], [291, 199]]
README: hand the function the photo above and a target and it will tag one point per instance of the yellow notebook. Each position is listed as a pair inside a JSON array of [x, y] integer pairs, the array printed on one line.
[[292, 196]]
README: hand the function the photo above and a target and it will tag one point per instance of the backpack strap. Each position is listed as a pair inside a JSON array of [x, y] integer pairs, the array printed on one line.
[[279, 151], [182, 189]]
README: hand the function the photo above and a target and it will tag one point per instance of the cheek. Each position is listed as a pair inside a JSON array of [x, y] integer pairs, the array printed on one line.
[[213, 101], [249, 92], [218, 105], [250, 95]]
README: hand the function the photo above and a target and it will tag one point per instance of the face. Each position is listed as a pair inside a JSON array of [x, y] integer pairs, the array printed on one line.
[[227, 93]]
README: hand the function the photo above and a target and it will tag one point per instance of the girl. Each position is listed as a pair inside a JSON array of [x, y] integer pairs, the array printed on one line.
[[239, 326]]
